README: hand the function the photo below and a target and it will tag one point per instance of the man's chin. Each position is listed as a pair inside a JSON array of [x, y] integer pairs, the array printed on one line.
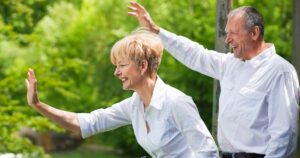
[[237, 55]]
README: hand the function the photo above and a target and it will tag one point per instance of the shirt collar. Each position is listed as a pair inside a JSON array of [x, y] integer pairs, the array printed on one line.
[[262, 57]]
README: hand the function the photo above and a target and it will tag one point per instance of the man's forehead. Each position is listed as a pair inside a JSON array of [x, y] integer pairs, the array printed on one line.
[[235, 22], [239, 17]]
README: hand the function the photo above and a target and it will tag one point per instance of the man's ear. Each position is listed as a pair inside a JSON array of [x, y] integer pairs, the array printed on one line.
[[143, 66], [255, 33]]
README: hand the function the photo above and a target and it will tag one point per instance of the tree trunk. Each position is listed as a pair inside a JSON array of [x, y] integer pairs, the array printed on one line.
[[223, 8], [296, 50]]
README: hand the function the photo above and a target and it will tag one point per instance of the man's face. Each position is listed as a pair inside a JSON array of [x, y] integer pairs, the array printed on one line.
[[238, 37]]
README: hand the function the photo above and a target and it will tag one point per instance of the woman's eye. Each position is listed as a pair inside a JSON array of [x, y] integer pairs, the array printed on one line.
[[123, 65]]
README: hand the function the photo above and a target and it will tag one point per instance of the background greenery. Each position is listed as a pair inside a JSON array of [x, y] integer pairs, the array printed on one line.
[[67, 43]]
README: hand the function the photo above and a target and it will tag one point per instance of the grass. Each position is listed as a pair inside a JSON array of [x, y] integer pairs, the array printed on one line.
[[88, 151]]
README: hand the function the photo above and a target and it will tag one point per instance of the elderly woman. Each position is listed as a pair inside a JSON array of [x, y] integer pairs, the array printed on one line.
[[165, 121]]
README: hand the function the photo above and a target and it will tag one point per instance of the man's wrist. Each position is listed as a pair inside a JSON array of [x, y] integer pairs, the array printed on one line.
[[155, 29]]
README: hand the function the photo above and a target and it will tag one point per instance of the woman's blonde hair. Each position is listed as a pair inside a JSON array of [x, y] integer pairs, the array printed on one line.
[[140, 45]]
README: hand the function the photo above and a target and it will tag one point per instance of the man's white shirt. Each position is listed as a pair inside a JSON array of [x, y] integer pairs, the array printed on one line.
[[258, 104]]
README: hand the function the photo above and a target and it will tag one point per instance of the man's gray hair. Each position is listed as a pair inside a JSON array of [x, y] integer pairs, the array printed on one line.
[[252, 17]]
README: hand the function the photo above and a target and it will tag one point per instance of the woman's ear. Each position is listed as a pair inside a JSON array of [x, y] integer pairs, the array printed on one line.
[[143, 66]]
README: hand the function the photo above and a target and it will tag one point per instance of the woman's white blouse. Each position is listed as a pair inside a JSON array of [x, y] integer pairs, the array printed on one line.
[[175, 127]]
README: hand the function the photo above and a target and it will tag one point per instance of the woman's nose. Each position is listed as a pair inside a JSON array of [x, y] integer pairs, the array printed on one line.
[[116, 72]]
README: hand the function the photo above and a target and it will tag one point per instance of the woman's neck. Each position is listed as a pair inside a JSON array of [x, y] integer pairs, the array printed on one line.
[[146, 90]]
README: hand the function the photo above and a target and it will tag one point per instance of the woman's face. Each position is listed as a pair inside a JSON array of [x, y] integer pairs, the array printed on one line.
[[129, 73]]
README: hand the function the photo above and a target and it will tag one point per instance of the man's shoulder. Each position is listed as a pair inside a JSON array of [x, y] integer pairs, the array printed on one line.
[[280, 64]]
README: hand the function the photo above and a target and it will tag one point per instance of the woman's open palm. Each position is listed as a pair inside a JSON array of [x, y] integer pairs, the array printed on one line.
[[31, 84]]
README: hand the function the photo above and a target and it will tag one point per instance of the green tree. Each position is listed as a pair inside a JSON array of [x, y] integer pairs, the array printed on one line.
[[68, 44]]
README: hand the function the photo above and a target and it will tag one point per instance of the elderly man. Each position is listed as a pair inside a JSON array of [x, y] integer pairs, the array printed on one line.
[[258, 106]]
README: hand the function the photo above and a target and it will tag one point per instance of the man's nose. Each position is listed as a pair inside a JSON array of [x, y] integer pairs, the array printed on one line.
[[227, 39]]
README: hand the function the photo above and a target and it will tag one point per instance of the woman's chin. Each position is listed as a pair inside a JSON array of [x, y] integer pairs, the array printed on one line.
[[125, 88]]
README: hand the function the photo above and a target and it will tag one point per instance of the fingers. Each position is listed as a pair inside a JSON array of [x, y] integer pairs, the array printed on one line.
[[142, 16], [31, 81], [133, 11], [31, 84], [133, 14], [136, 8], [27, 83], [132, 8], [30, 75], [137, 5]]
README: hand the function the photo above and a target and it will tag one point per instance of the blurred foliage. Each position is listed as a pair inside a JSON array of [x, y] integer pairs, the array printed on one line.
[[14, 118], [68, 43]]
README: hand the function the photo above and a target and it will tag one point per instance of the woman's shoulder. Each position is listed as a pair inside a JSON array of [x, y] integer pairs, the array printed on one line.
[[129, 102], [172, 91], [171, 96], [175, 96]]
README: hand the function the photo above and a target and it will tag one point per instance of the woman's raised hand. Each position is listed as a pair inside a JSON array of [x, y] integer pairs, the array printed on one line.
[[31, 84]]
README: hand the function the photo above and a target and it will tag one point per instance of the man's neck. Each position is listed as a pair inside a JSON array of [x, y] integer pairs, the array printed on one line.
[[258, 48]]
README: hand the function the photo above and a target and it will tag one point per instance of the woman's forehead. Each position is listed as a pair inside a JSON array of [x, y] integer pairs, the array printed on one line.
[[122, 60]]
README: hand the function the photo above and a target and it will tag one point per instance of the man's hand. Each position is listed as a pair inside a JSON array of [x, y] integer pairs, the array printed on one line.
[[143, 16], [31, 84]]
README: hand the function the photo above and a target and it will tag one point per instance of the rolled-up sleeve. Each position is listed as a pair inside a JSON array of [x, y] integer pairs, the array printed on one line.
[[102, 120]]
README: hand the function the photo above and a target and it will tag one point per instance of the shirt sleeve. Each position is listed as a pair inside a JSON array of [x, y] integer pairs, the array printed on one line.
[[188, 122], [102, 120], [193, 55], [283, 114]]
